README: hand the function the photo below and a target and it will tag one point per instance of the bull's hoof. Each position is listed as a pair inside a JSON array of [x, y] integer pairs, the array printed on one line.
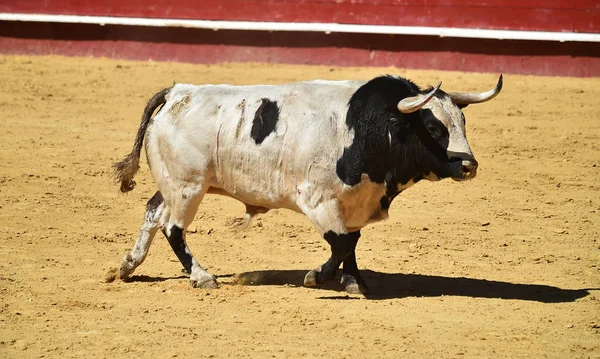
[[350, 284], [353, 285], [204, 281], [240, 223], [207, 284], [126, 268], [311, 279]]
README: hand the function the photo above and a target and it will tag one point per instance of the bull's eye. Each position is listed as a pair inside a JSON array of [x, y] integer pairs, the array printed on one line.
[[435, 132]]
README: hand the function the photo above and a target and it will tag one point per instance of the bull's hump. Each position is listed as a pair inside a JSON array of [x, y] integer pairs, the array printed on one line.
[[370, 110]]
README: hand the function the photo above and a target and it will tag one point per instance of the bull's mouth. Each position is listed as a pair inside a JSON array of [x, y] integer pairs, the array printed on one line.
[[463, 169], [456, 170], [465, 176]]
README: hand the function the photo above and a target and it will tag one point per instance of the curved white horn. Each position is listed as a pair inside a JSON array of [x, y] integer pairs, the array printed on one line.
[[465, 98], [412, 104]]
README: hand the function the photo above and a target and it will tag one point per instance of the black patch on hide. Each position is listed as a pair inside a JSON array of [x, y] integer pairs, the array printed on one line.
[[371, 110], [152, 206], [178, 245], [154, 202], [265, 120]]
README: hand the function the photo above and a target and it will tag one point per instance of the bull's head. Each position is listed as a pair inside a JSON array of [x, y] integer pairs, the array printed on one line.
[[439, 123]]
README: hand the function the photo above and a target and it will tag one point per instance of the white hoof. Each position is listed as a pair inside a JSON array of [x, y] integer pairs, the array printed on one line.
[[240, 223], [204, 280], [311, 279], [350, 284], [127, 267]]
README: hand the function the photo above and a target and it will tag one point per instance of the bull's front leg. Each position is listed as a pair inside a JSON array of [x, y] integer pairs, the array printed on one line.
[[351, 278], [343, 247]]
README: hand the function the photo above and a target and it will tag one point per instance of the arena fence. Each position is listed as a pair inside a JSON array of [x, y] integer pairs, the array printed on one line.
[[554, 38]]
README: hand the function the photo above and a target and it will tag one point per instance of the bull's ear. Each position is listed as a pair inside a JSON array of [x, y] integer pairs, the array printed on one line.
[[462, 105]]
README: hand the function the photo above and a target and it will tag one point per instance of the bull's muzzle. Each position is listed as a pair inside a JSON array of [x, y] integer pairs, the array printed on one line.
[[469, 169]]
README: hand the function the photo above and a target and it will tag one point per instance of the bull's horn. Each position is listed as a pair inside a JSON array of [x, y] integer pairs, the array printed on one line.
[[412, 104], [465, 98]]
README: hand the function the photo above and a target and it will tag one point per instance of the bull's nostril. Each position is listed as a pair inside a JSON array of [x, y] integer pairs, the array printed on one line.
[[469, 166]]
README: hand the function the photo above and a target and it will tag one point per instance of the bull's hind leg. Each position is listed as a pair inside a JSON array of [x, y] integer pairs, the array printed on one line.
[[155, 209], [182, 212]]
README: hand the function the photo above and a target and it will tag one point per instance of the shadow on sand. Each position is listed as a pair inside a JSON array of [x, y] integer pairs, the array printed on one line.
[[151, 279], [398, 285]]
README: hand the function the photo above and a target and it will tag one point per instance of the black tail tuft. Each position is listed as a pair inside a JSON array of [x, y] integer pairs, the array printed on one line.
[[125, 170]]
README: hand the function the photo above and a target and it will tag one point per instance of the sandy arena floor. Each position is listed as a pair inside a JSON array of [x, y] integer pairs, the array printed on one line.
[[507, 265]]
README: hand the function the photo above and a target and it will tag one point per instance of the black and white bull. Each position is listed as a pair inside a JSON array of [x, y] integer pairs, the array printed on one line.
[[336, 151]]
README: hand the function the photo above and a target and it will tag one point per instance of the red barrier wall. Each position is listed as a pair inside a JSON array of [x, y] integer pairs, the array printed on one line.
[[548, 15], [428, 52]]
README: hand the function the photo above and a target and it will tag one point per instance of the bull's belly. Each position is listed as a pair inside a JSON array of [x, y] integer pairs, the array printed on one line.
[[356, 208], [257, 193]]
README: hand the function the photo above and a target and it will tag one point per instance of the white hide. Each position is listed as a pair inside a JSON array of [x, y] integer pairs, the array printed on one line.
[[201, 139]]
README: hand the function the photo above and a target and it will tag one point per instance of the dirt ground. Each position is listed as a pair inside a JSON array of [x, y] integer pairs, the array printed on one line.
[[506, 265]]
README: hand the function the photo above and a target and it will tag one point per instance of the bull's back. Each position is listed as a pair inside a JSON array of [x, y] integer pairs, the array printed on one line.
[[270, 139]]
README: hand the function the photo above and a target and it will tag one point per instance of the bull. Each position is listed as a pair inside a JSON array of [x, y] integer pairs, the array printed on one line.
[[338, 152]]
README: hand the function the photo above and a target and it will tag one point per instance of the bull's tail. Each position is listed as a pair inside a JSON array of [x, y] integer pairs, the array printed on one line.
[[125, 170]]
